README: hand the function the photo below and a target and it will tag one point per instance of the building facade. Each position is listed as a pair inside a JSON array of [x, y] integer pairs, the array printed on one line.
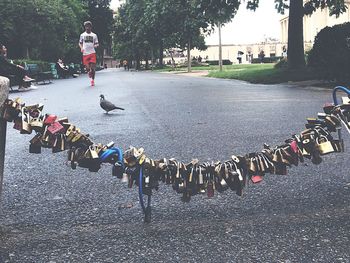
[[250, 51], [312, 25]]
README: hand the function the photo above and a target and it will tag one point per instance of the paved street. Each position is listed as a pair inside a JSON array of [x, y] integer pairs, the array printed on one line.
[[51, 213]]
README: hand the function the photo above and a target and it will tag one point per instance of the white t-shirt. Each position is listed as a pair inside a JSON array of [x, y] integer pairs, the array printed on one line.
[[88, 40]]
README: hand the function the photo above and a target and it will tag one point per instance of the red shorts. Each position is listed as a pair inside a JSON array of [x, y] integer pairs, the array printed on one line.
[[91, 58]]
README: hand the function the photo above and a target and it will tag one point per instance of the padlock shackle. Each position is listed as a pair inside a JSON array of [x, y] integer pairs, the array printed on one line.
[[346, 90], [146, 210], [335, 100], [140, 189], [110, 152]]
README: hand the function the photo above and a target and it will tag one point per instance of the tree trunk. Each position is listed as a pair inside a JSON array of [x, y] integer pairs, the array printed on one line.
[[161, 50], [172, 60], [189, 55], [152, 59], [147, 63], [295, 53], [27, 53]]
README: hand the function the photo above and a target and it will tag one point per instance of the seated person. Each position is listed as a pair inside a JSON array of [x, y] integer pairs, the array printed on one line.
[[8, 69], [64, 71]]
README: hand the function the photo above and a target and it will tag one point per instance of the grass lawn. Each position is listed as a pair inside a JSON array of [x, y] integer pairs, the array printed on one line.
[[254, 73], [262, 73]]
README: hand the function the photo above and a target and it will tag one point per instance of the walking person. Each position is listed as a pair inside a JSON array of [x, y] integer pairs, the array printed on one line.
[[87, 43]]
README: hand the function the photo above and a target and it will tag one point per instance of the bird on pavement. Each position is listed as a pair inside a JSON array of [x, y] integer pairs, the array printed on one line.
[[107, 105]]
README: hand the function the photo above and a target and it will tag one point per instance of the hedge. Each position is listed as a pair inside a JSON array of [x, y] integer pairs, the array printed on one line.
[[330, 55]]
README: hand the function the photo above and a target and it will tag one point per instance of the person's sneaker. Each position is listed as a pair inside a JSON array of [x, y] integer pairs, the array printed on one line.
[[92, 83], [32, 87], [27, 79], [22, 89]]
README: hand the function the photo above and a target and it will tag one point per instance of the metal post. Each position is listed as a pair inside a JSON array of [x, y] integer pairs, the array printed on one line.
[[220, 48], [4, 90]]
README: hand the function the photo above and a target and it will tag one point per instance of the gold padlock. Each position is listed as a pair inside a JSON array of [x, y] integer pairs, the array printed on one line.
[[76, 137], [252, 166], [93, 152], [324, 145]]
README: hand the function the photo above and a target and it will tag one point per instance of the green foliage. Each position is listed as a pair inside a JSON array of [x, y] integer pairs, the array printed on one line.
[[41, 29], [330, 55], [335, 7], [266, 60], [216, 62], [282, 64]]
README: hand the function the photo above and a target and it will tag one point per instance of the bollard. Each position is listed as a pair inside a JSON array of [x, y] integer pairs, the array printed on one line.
[[4, 90]]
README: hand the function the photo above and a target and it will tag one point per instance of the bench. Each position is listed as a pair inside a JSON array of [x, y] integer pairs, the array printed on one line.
[[54, 70], [34, 72]]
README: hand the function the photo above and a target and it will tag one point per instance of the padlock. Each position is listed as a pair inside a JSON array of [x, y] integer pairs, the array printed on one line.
[[71, 157], [8, 113], [94, 159], [308, 147], [345, 100], [328, 108], [210, 190], [37, 124], [186, 197], [47, 140], [333, 123], [59, 144], [316, 158], [55, 128], [338, 145], [118, 170], [25, 127], [280, 169], [35, 144], [324, 145], [17, 123], [49, 119], [257, 179], [36, 119]]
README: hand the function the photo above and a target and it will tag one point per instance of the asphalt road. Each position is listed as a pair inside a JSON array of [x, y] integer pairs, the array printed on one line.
[[50, 213]]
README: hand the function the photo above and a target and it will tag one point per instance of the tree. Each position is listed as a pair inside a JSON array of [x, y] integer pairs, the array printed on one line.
[[297, 10], [143, 28], [219, 12], [38, 29]]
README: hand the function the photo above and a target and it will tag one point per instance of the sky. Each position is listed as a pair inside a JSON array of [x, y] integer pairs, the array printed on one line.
[[247, 26]]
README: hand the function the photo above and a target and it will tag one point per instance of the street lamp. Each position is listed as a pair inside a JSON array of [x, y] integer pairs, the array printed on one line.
[[220, 44]]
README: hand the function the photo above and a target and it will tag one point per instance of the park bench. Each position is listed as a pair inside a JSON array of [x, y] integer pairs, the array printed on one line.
[[34, 72], [54, 70]]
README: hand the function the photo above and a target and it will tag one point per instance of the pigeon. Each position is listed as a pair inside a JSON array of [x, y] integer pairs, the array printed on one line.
[[107, 105]]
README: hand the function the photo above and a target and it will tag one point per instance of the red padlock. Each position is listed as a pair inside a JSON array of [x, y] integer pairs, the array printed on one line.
[[50, 119], [257, 179], [294, 146], [210, 190], [55, 127]]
